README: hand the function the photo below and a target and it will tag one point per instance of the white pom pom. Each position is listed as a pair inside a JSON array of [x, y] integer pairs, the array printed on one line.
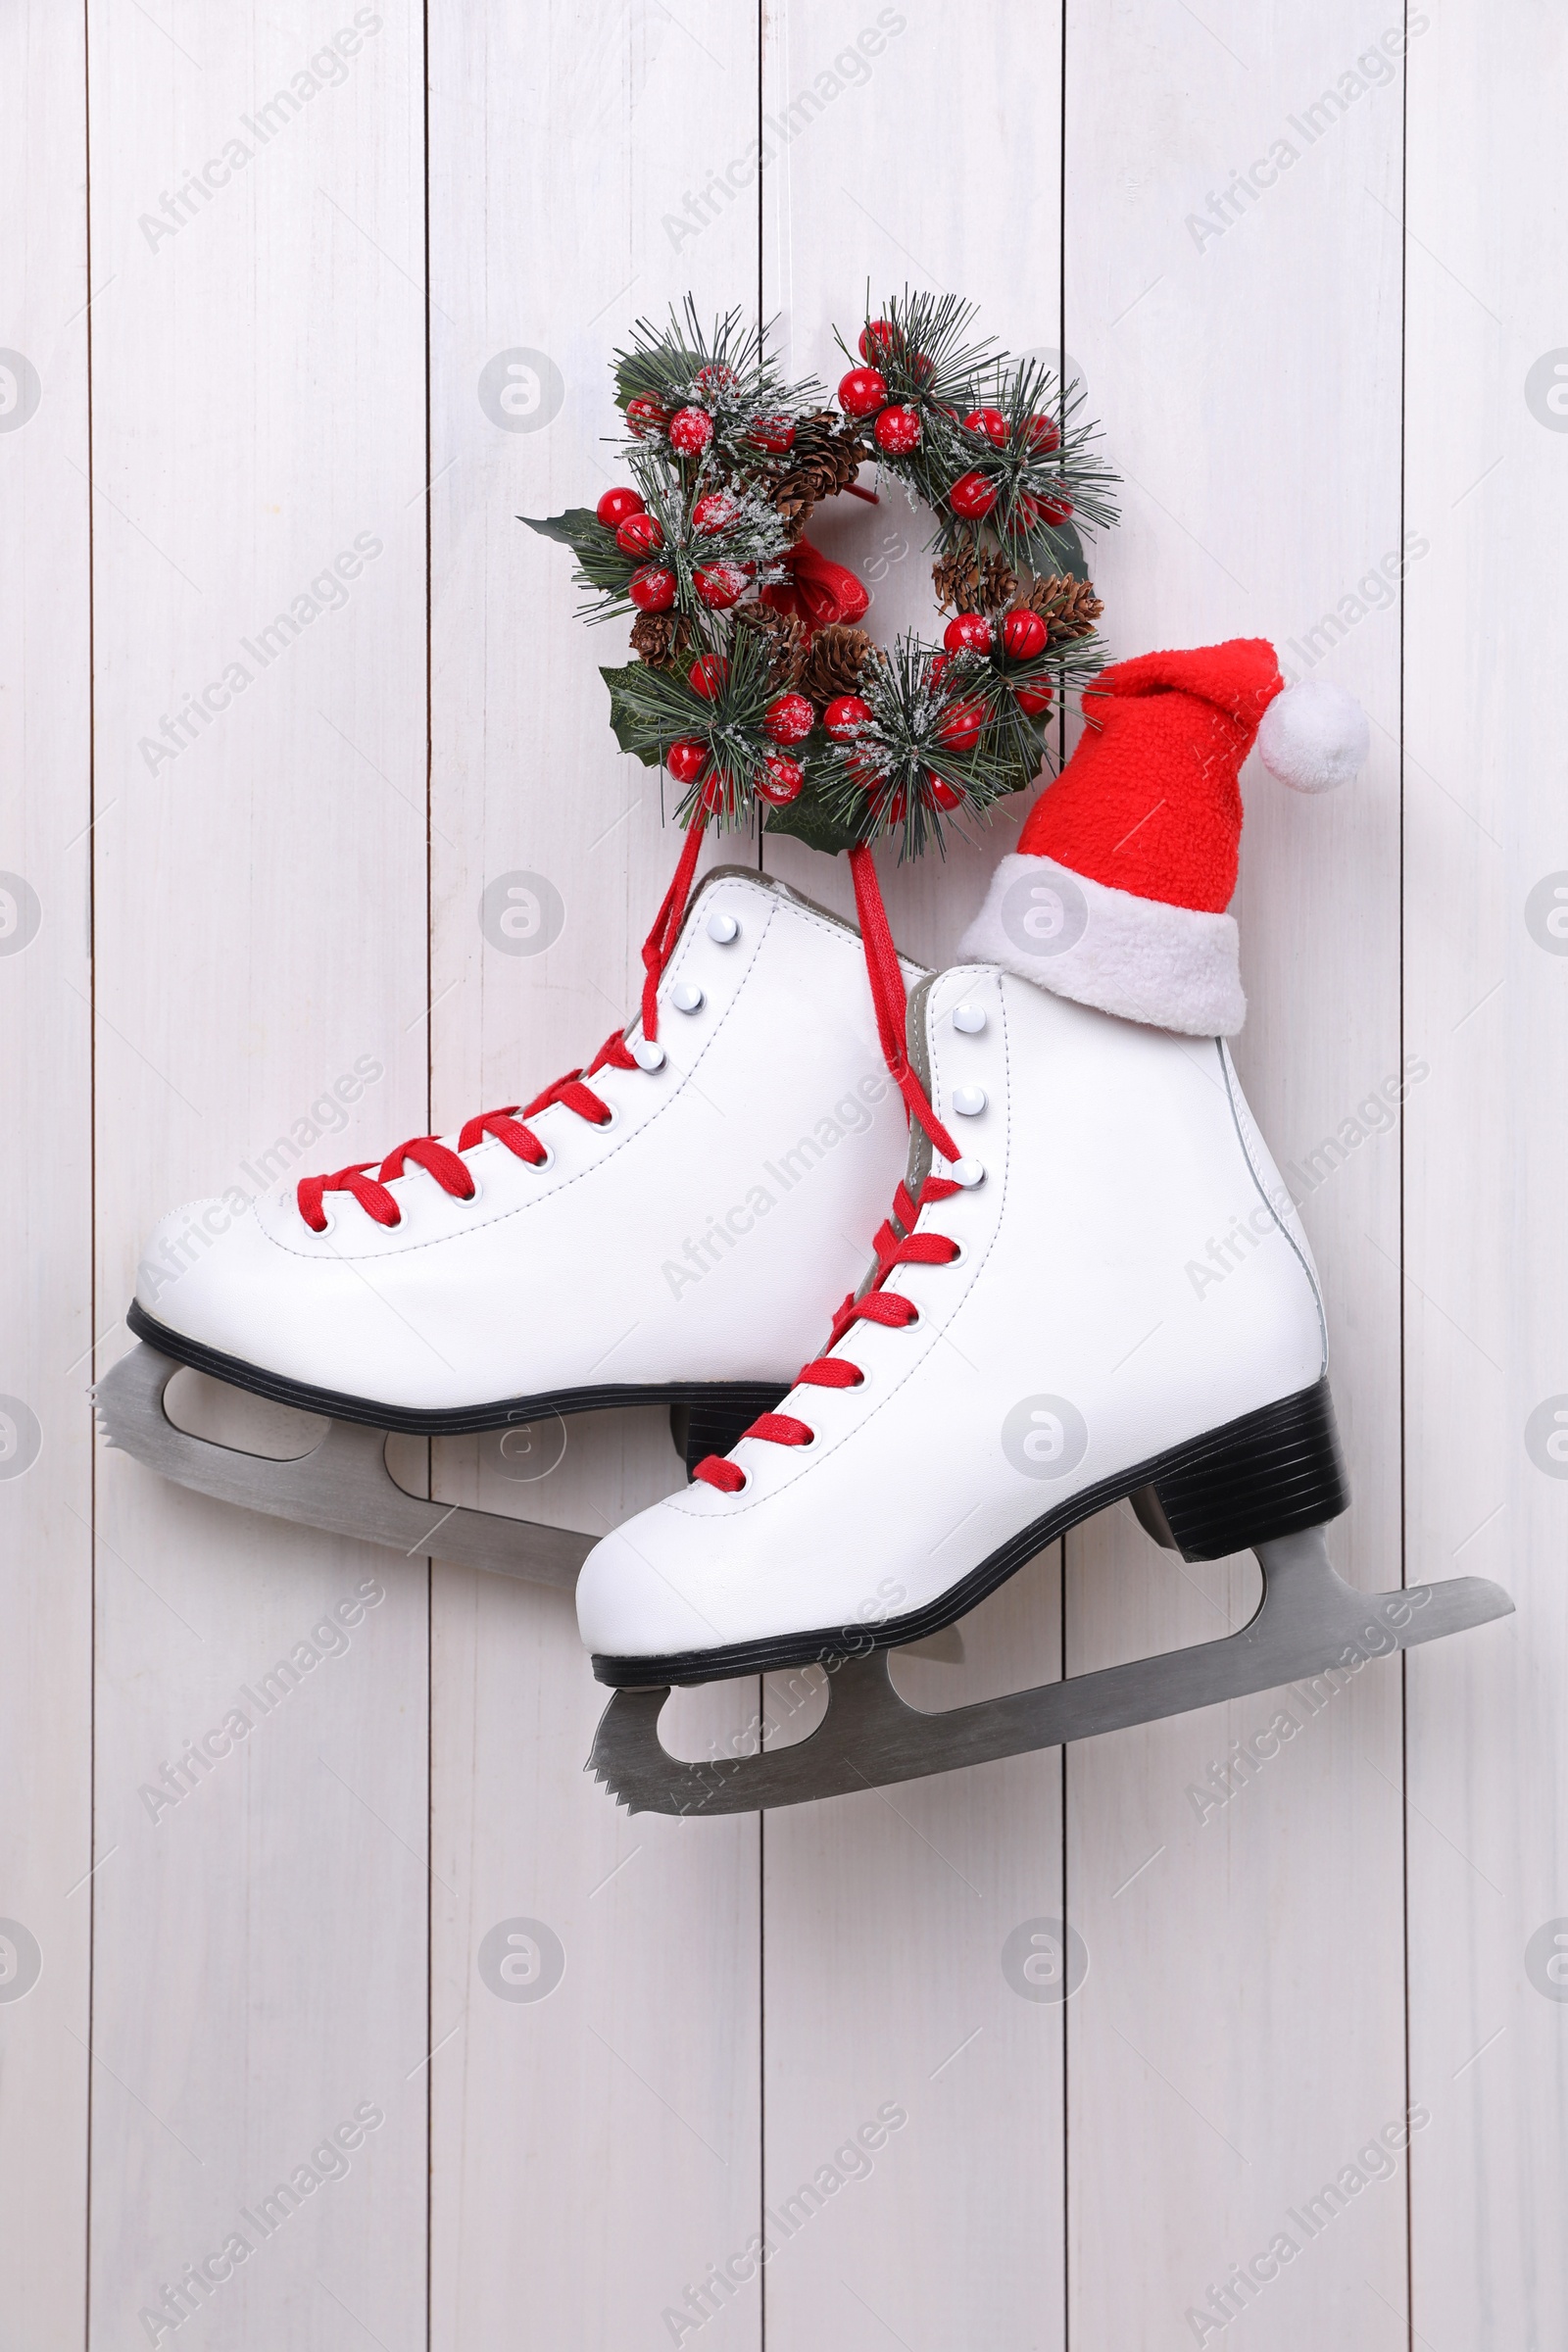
[[1314, 736]]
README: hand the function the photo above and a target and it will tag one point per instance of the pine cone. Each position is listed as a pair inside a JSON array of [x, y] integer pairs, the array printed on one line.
[[784, 636], [974, 583], [1069, 609], [835, 661], [827, 457], [653, 635]]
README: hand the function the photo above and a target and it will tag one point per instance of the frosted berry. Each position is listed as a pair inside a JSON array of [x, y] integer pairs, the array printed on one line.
[[1034, 699], [1043, 510], [876, 342], [945, 795], [1042, 433], [640, 535], [1024, 635], [715, 510], [959, 732], [646, 418], [968, 633], [614, 507], [653, 589], [707, 676], [897, 432], [686, 760], [990, 422], [721, 585], [715, 377], [789, 718], [973, 494], [774, 433], [782, 781], [846, 716], [690, 431], [862, 392]]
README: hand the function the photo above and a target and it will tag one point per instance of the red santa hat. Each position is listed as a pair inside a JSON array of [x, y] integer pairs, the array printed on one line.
[[1117, 892]]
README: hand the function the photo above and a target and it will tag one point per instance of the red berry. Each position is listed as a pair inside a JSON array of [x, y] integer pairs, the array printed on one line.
[[946, 796], [990, 422], [1024, 635], [959, 732], [1034, 699], [1041, 432], [690, 431], [894, 812], [715, 379], [707, 676], [973, 494], [775, 433], [939, 662], [877, 341], [653, 589], [921, 369], [715, 510], [862, 392], [686, 760], [721, 585], [640, 535], [898, 432], [846, 716], [967, 632], [1043, 510], [614, 507], [790, 719], [784, 781], [646, 418]]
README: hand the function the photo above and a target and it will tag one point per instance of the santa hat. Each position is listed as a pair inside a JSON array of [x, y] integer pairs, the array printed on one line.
[[1117, 892]]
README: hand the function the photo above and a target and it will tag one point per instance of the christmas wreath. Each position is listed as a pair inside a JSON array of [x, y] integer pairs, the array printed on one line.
[[751, 682]]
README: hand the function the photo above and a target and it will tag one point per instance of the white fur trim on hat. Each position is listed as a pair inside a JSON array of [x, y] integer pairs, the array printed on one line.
[[1173, 967]]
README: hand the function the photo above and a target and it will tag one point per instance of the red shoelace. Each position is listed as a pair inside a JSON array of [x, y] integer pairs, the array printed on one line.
[[510, 1124], [897, 1244]]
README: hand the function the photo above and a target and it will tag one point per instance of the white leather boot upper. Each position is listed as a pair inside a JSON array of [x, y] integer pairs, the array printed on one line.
[[1132, 1274], [690, 1240]]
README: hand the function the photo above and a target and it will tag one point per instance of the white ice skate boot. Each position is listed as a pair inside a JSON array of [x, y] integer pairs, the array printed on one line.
[[1043, 1333], [609, 1244]]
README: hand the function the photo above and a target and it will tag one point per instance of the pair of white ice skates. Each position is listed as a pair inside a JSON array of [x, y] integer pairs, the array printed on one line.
[[1029, 1345]]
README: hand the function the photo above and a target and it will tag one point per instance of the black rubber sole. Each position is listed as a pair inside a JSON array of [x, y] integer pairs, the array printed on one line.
[[1267, 1474], [714, 1406]]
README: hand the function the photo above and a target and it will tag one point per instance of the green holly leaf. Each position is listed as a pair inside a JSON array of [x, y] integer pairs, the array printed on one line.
[[627, 724], [579, 526]]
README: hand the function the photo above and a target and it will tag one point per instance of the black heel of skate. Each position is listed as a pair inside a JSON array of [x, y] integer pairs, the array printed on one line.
[[1270, 1474], [702, 1424]]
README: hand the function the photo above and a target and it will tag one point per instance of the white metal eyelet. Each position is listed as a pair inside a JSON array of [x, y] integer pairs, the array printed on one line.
[[330, 1225], [968, 1102], [604, 1126], [806, 1444], [648, 1054], [472, 1200], [542, 1167], [723, 928], [968, 1173], [961, 1253], [686, 997], [970, 1019], [729, 1492]]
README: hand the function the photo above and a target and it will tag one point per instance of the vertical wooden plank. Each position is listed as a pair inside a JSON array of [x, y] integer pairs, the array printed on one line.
[[1240, 2039], [1486, 1005], [595, 2109], [260, 1900], [914, 2074], [45, 1175]]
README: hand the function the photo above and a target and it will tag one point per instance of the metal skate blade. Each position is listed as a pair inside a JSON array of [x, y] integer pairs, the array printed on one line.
[[343, 1485], [1309, 1624]]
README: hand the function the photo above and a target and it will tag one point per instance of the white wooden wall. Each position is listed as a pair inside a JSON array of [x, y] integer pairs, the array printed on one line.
[[1353, 360]]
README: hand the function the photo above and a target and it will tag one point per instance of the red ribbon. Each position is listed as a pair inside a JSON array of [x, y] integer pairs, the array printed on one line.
[[818, 591]]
